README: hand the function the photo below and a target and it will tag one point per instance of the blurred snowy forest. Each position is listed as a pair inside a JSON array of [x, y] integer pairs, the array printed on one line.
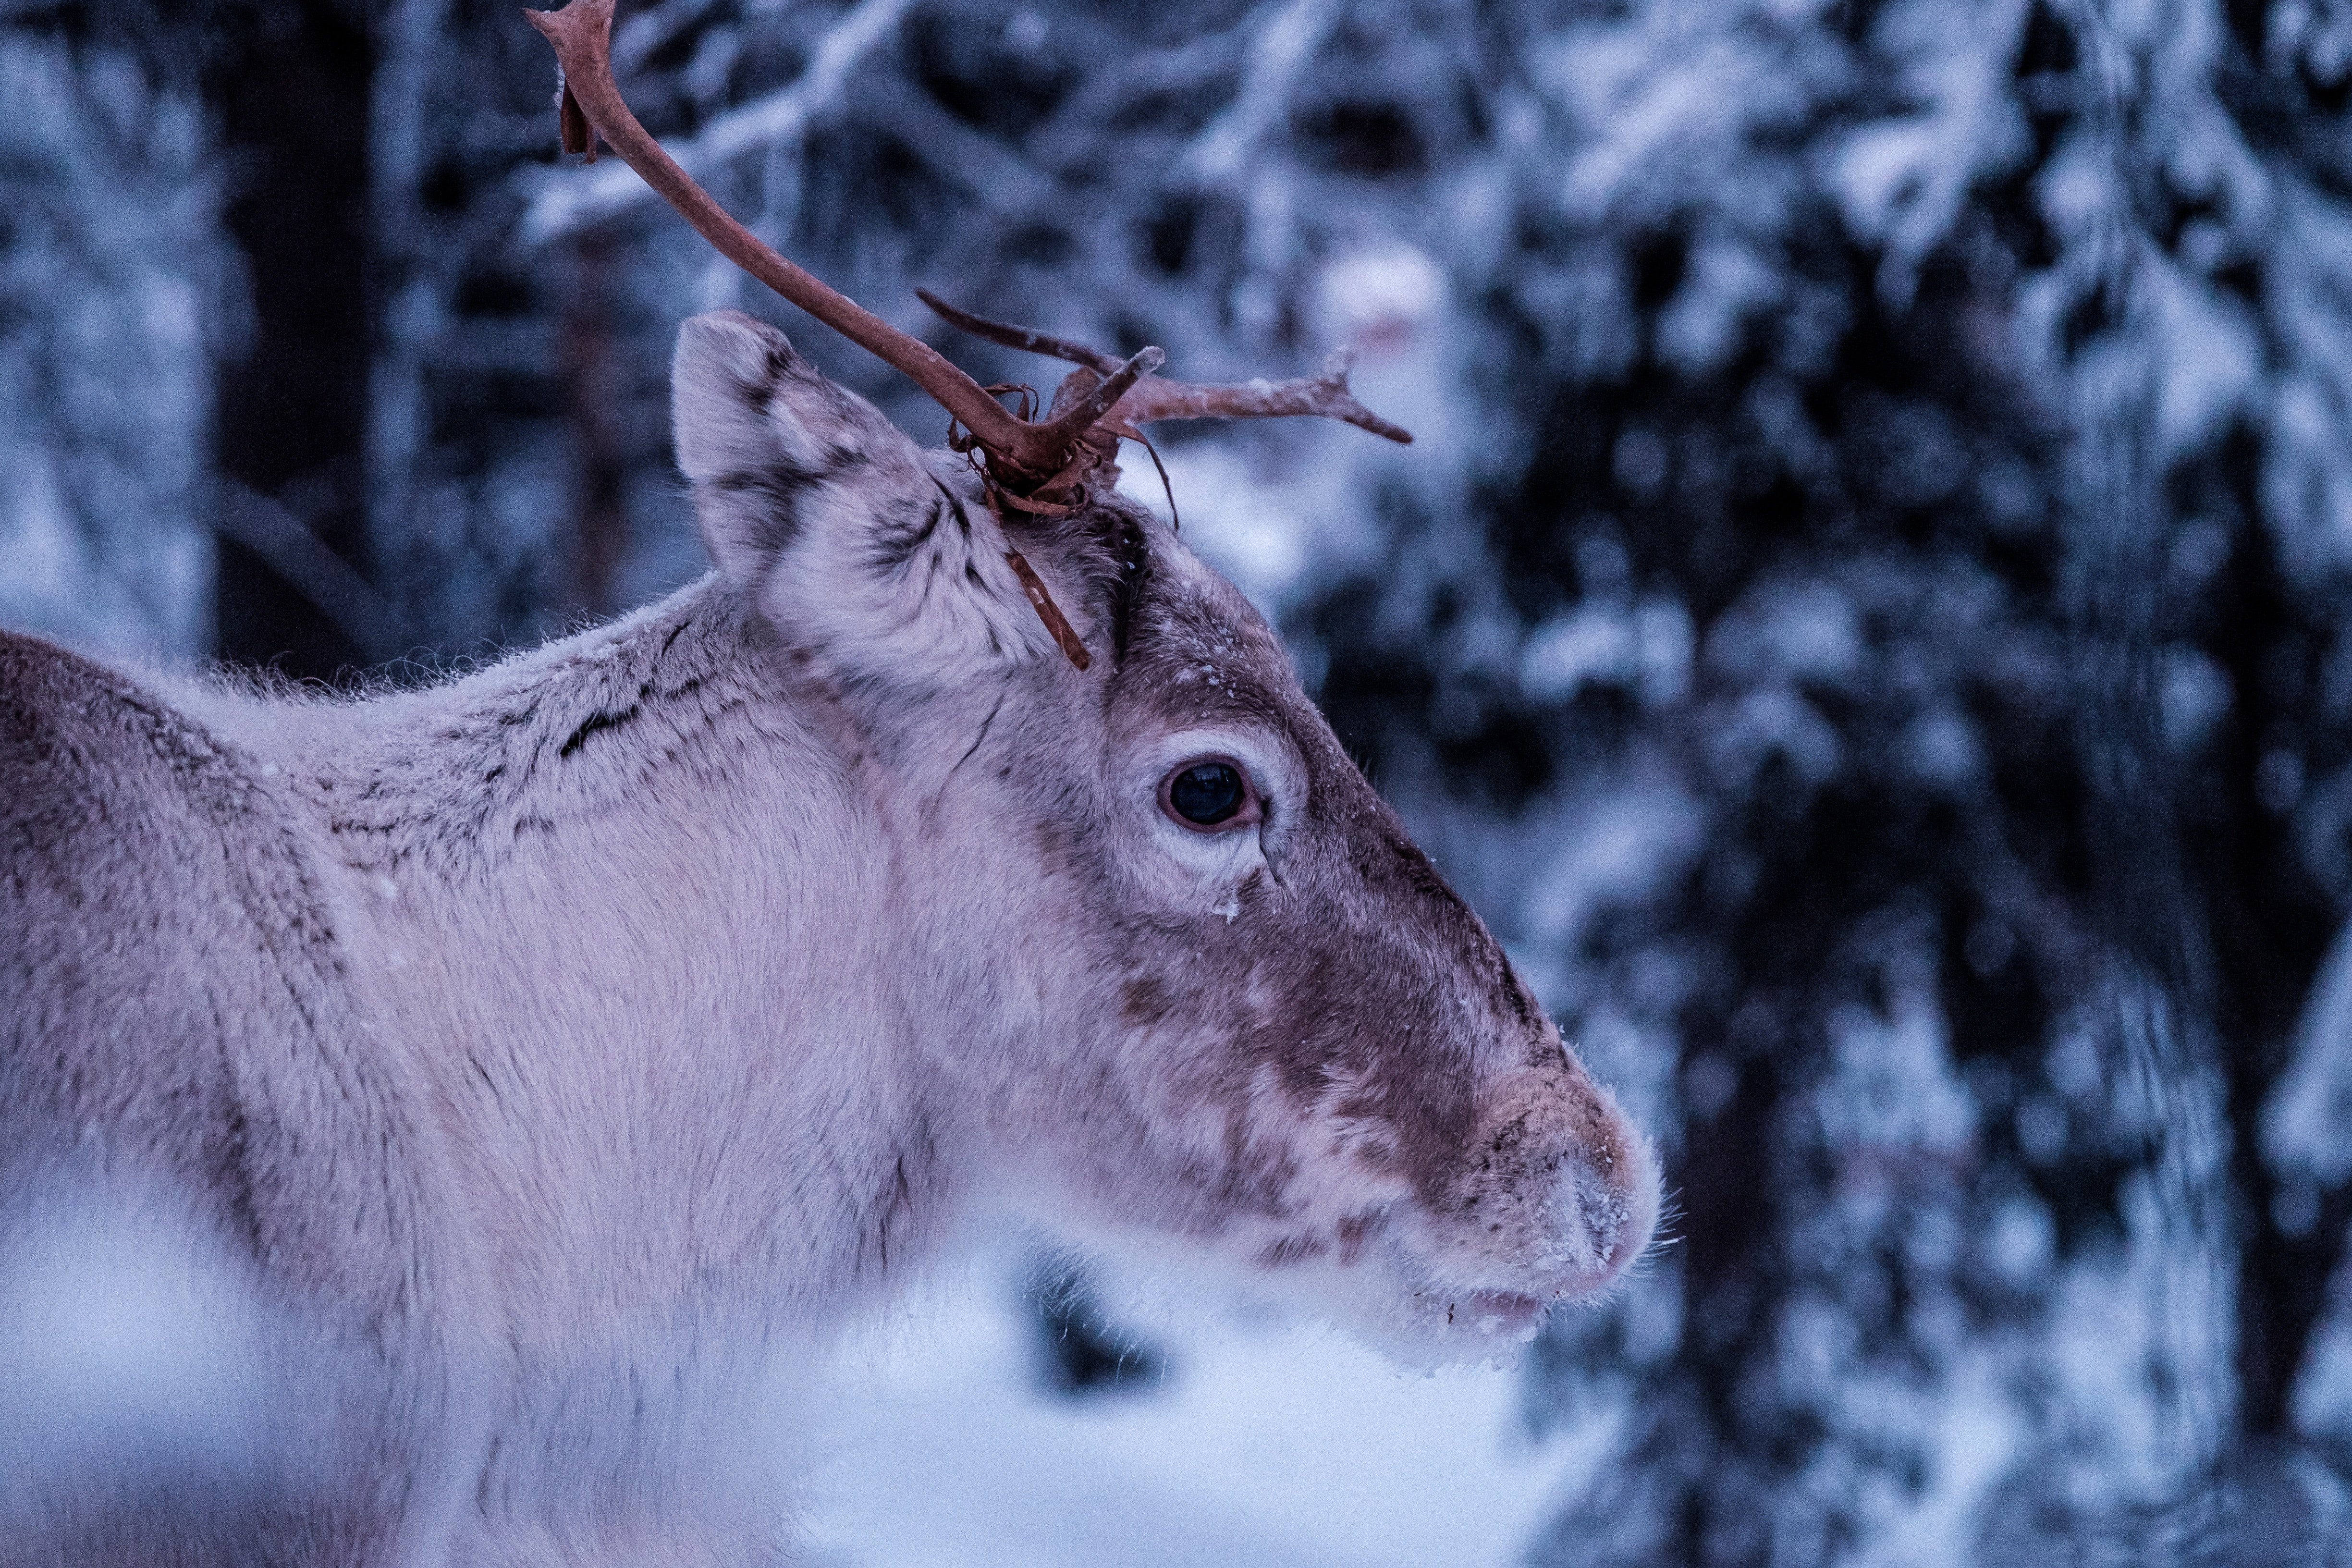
[[1866, 619]]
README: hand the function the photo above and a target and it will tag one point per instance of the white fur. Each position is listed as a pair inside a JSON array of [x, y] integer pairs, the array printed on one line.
[[543, 1058]]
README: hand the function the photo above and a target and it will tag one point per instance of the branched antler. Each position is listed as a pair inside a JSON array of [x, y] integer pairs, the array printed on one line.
[[1022, 455], [1035, 466]]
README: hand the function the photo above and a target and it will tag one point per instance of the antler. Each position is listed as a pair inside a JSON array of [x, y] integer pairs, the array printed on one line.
[[1152, 398], [1107, 398], [1023, 455]]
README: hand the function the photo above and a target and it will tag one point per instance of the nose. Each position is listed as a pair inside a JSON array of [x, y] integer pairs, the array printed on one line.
[[1559, 1194], [1603, 1209]]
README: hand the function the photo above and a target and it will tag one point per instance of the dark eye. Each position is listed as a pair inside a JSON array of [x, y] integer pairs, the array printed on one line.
[[1207, 793]]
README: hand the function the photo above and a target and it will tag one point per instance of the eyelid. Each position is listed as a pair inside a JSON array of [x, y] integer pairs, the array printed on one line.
[[1276, 773], [1251, 812]]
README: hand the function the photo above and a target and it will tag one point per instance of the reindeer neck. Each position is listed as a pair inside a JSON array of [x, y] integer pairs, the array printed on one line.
[[625, 899]]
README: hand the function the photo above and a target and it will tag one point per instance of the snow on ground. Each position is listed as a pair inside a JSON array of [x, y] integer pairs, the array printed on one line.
[[1264, 1447]]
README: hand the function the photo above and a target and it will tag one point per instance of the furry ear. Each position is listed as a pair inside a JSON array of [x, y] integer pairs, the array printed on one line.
[[832, 519]]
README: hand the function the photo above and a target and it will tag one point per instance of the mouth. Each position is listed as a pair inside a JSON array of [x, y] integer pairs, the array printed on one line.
[[1500, 1313]]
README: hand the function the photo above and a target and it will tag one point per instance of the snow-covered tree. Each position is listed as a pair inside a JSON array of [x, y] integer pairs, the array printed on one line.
[[1865, 617], [117, 299]]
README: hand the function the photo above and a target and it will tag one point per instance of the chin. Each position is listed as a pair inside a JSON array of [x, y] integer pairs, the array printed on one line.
[[1430, 1325], [1401, 1307]]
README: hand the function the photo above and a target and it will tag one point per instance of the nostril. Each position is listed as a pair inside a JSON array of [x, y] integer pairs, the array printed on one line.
[[1561, 1196], [1603, 1210], [1589, 1218]]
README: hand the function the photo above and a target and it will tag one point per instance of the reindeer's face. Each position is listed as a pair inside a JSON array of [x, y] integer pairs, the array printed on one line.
[[1202, 984]]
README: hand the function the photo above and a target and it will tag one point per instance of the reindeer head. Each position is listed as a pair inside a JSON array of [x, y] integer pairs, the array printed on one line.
[[1179, 970]]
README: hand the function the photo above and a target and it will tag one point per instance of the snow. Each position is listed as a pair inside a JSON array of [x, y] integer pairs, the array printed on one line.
[[1644, 647], [127, 1344], [1379, 297], [1271, 1446], [565, 201], [114, 306], [2311, 1103], [1894, 1087]]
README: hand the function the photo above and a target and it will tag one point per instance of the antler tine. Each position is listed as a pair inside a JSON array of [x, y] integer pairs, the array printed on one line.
[[1012, 337], [1326, 395], [582, 34]]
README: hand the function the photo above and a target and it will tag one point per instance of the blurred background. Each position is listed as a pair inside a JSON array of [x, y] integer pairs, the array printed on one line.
[[1864, 621]]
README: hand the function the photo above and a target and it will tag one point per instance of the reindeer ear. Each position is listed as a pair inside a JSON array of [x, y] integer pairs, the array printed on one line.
[[830, 518]]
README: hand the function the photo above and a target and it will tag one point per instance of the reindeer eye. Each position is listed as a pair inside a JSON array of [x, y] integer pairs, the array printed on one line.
[[1206, 793]]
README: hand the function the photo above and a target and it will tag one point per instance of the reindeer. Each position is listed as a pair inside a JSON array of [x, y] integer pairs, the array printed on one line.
[[463, 1098]]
